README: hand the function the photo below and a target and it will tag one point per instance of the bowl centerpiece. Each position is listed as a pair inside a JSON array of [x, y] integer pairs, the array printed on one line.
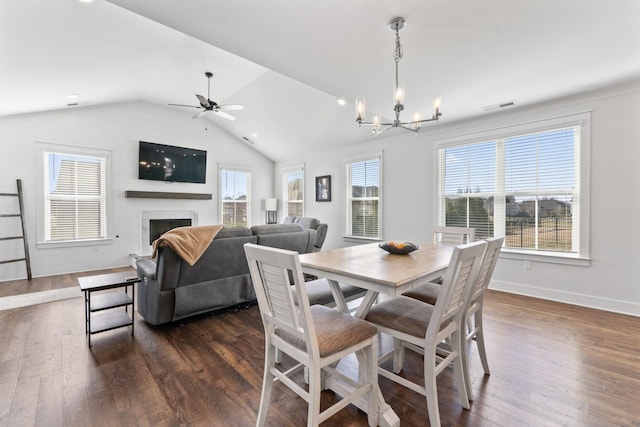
[[399, 248]]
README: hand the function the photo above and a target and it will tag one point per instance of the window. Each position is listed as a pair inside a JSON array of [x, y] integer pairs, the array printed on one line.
[[524, 184], [293, 191], [235, 200], [74, 197], [364, 197]]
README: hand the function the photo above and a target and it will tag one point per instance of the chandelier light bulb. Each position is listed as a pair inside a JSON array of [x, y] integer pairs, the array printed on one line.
[[399, 95], [375, 128], [436, 106], [360, 109]]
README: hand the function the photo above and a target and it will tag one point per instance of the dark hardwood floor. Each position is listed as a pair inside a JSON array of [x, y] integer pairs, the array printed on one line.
[[551, 364]]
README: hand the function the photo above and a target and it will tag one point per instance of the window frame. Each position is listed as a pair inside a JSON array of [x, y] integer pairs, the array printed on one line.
[[285, 188], [43, 148], [248, 202], [583, 121], [349, 236]]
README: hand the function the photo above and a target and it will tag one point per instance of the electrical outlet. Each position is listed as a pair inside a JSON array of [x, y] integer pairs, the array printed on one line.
[[527, 265]]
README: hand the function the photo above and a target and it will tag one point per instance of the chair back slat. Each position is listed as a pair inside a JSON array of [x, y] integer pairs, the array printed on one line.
[[488, 265], [458, 281], [453, 236], [271, 272], [274, 280]]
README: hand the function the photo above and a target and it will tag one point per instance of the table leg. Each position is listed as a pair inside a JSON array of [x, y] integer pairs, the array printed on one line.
[[88, 314], [133, 306], [338, 297]]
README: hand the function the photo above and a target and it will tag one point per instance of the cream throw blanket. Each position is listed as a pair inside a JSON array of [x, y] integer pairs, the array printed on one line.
[[189, 243]]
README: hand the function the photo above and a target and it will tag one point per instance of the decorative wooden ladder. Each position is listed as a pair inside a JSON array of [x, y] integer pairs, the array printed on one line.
[[24, 231]]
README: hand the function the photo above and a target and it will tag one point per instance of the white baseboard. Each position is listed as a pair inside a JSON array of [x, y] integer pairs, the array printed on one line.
[[606, 304]]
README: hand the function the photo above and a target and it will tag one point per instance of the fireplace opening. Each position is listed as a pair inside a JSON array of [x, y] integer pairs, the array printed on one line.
[[157, 227]]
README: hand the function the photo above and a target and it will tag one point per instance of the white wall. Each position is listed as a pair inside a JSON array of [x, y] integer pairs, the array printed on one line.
[[611, 281], [118, 128]]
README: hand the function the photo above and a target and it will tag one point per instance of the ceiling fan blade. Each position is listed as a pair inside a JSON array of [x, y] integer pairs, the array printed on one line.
[[199, 114], [223, 114], [203, 101], [231, 107], [182, 105]]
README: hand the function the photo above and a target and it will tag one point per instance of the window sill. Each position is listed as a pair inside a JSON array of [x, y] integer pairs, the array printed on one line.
[[547, 257], [360, 239], [73, 243]]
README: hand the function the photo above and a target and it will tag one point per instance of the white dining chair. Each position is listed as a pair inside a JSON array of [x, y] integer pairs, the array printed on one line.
[[429, 293], [421, 327], [315, 336], [453, 236]]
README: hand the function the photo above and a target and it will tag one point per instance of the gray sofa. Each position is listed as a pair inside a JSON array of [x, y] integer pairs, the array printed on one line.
[[171, 289]]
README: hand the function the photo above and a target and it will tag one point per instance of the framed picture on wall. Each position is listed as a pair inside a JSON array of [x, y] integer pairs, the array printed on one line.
[[323, 188]]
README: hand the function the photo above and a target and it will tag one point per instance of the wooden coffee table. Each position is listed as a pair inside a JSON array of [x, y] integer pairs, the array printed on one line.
[[107, 303]]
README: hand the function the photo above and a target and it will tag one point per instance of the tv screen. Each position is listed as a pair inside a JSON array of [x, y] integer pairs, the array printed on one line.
[[169, 163]]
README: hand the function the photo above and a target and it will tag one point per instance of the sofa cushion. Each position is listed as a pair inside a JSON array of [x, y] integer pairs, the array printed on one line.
[[233, 232], [259, 230]]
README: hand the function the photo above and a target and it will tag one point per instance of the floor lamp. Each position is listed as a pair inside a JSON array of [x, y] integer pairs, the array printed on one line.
[[271, 210]]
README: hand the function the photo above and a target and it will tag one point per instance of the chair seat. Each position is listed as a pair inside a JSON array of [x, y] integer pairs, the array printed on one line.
[[335, 331], [403, 314], [427, 292], [319, 292]]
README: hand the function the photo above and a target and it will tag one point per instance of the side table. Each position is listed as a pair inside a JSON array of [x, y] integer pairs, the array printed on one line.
[[111, 319]]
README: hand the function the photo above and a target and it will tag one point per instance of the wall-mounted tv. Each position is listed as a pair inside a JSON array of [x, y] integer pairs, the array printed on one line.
[[170, 163]]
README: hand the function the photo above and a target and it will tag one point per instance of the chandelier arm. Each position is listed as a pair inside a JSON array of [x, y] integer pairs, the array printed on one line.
[[435, 118], [384, 130], [408, 128], [372, 123]]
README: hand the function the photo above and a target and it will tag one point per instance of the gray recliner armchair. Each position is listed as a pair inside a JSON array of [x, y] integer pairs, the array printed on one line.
[[310, 223]]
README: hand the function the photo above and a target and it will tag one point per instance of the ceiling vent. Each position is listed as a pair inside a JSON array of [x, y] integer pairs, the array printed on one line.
[[247, 140], [505, 104]]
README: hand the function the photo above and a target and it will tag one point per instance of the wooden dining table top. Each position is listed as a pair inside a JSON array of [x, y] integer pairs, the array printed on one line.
[[370, 267]]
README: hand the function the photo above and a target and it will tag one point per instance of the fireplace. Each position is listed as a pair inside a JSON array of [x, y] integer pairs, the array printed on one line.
[[157, 227], [154, 223]]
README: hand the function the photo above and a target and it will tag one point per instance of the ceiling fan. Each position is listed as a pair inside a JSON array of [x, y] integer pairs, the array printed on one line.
[[207, 104]]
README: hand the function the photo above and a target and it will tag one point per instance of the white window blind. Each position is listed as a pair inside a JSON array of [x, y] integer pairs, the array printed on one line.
[[75, 197], [235, 197], [363, 198], [525, 187], [294, 191]]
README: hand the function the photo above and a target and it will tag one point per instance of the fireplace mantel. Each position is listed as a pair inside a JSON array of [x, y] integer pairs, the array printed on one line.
[[166, 195]]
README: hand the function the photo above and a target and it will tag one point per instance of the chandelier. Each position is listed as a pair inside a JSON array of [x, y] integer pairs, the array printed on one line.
[[377, 127]]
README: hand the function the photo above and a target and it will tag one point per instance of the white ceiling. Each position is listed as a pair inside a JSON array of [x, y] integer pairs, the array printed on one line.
[[287, 61]]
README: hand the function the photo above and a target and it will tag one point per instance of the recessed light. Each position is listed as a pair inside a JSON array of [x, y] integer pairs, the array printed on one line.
[[254, 134], [73, 96], [85, 1], [341, 101]]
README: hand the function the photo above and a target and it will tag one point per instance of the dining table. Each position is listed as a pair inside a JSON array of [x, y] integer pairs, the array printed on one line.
[[369, 267]]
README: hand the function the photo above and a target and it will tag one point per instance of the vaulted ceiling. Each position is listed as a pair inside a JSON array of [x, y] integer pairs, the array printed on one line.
[[288, 61]]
